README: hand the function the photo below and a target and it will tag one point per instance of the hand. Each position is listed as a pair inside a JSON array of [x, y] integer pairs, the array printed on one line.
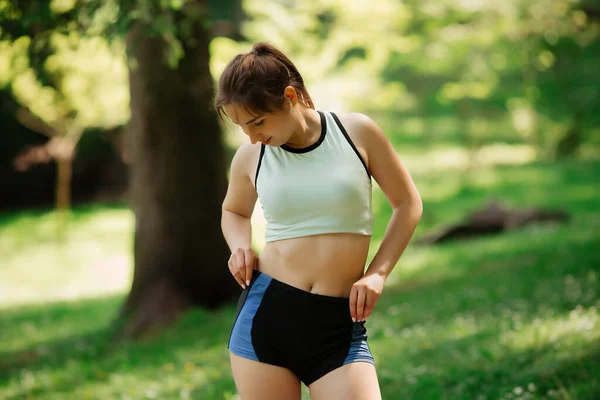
[[241, 263], [364, 294]]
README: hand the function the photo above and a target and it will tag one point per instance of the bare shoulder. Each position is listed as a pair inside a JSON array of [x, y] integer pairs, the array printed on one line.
[[356, 119], [367, 136], [241, 194], [245, 159], [247, 151], [361, 128], [385, 165]]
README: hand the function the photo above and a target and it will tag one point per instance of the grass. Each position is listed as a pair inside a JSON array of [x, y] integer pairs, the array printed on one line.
[[93, 260], [512, 316]]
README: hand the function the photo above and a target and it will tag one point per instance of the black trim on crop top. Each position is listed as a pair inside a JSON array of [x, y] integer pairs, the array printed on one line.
[[312, 146], [262, 153], [339, 124], [295, 150]]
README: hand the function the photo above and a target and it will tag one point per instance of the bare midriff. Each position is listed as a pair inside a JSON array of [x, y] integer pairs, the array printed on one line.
[[326, 264]]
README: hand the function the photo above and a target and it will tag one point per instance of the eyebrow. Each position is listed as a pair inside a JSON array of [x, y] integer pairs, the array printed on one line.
[[252, 120]]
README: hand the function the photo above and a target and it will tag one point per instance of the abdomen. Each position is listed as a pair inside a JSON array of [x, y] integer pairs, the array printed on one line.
[[326, 264]]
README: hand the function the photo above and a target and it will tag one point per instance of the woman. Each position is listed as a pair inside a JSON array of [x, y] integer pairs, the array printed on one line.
[[306, 297]]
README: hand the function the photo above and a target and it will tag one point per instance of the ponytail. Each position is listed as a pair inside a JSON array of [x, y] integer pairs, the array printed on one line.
[[257, 81]]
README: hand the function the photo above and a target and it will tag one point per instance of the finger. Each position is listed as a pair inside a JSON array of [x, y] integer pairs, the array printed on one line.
[[353, 293], [233, 271], [367, 311], [249, 265], [240, 258], [368, 306], [241, 265], [360, 305], [371, 301]]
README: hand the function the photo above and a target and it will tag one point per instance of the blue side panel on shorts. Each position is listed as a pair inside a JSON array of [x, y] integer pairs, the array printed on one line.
[[240, 342], [359, 349]]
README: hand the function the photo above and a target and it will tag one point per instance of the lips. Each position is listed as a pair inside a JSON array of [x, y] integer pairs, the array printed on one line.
[[267, 141]]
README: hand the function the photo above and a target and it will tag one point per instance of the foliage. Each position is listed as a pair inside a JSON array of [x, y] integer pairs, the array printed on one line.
[[529, 63], [64, 64], [65, 61], [86, 81]]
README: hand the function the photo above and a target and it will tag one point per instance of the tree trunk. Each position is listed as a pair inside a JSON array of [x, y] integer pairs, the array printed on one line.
[[63, 195], [178, 182]]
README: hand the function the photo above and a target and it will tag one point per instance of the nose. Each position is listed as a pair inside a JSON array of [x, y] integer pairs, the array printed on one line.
[[255, 138], [253, 133]]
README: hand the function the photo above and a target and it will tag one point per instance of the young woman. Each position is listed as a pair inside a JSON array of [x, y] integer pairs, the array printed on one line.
[[301, 315]]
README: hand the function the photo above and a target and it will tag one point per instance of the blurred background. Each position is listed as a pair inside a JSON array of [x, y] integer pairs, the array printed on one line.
[[113, 278]]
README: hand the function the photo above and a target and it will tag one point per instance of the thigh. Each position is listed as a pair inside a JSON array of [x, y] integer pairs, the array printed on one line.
[[354, 381], [259, 381]]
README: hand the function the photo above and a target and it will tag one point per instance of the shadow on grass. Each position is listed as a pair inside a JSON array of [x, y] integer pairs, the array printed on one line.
[[480, 366], [447, 371], [539, 269], [89, 354], [491, 276]]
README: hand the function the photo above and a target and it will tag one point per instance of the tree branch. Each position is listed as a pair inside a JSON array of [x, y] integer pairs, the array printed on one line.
[[33, 122]]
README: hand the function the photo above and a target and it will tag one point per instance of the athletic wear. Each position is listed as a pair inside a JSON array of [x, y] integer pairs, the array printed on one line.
[[323, 188], [308, 333]]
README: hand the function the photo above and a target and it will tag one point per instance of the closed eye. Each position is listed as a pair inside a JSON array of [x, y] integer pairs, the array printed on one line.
[[259, 123]]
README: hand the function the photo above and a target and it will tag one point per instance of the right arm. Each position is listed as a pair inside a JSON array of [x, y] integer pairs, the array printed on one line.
[[236, 213]]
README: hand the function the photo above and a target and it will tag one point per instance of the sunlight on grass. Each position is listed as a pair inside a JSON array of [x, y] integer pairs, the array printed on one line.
[[33, 326], [561, 332], [420, 358], [94, 260], [415, 261]]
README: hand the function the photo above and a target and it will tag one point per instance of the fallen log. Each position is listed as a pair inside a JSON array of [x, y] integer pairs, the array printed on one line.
[[493, 218]]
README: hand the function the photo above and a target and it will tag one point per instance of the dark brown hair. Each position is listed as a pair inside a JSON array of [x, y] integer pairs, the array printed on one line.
[[257, 79]]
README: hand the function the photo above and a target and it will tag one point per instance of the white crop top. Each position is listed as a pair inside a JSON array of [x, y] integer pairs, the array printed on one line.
[[323, 188]]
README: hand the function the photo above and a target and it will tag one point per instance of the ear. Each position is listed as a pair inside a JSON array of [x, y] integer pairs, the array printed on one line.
[[290, 93]]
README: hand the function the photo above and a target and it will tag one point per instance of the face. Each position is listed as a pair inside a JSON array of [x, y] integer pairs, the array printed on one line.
[[273, 129]]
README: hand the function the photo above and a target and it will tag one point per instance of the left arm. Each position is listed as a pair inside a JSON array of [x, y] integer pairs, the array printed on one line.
[[396, 183]]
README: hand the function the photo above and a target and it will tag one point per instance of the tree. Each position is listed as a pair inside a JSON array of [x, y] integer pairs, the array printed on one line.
[[62, 84], [178, 170], [178, 178]]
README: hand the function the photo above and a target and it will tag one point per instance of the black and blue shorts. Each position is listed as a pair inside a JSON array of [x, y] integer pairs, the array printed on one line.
[[308, 333]]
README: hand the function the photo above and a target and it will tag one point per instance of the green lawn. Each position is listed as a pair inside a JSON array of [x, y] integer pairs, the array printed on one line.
[[513, 316]]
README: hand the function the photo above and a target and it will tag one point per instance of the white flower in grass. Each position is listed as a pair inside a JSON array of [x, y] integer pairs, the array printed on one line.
[[518, 390]]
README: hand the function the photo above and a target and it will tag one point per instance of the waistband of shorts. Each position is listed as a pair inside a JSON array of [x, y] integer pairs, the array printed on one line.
[[301, 292]]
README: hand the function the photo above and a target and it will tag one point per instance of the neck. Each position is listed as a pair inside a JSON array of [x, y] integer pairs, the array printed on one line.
[[308, 130]]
